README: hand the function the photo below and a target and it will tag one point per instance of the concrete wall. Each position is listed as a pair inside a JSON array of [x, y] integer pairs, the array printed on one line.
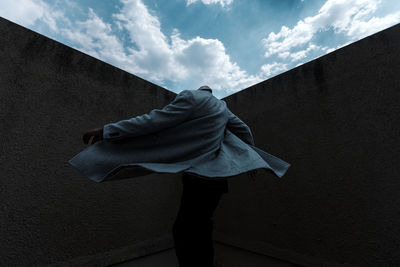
[[337, 121], [50, 95]]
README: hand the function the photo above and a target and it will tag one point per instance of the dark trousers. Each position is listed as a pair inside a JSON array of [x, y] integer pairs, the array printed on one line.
[[193, 227]]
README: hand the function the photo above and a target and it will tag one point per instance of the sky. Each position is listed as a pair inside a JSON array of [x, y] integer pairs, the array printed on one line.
[[228, 45]]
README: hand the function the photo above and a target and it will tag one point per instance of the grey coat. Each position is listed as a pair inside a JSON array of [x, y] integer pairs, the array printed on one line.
[[195, 133]]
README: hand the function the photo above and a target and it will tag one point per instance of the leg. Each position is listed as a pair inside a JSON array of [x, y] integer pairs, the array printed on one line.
[[193, 227]]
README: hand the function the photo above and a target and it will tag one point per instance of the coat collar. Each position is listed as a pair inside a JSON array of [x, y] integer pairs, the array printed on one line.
[[205, 88]]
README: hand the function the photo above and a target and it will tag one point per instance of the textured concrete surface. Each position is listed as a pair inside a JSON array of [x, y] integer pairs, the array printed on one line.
[[229, 256], [225, 256], [165, 258], [337, 121], [50, 94]]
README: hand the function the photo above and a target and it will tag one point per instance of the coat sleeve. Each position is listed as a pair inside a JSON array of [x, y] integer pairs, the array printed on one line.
[[239, 128], [173, 114]]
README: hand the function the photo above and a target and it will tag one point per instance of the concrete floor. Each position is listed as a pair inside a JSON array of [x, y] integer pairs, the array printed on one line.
[[165, 258], [227, 256]]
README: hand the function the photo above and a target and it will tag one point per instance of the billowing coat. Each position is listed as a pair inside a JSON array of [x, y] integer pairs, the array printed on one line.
[[195, 133]]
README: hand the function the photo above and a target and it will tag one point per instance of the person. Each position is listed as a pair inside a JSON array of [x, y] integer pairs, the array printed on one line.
[[195, 134]]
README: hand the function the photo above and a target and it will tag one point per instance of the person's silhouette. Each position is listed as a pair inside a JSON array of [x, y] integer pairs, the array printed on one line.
[[196, 134], [193, 227]]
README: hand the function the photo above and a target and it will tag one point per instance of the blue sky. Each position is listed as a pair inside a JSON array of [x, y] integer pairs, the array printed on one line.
[[228, 45]]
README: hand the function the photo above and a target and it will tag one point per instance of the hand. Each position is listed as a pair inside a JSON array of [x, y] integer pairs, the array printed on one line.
[[96, 134], [252, 174]]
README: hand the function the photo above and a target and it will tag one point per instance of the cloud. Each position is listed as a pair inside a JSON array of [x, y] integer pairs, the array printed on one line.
[[27, 12], [208, 2], [268, 70], [299, 54], [364, 28], [349, 17], [95, 38], [205, 60], [154, 56]]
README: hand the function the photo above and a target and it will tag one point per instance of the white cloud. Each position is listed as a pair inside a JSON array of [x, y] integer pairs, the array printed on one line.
[[27, 12], [208, 2], [267, 70], [153, 56], [364, 28], [95, 38], [284, 55], [156, 57], [350, 17], [206, 60], [304, 53], [298, 55], [328, 50]]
